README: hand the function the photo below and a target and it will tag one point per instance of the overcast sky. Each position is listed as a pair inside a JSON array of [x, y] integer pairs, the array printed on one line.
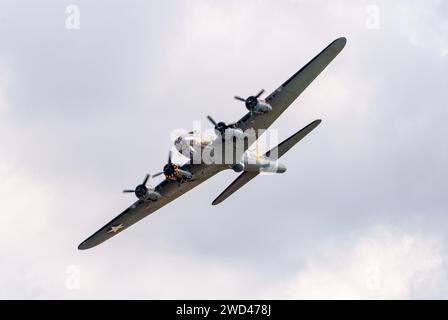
[[362, 211]]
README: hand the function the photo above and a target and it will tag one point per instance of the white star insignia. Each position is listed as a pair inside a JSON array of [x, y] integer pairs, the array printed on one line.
[[115, 229]]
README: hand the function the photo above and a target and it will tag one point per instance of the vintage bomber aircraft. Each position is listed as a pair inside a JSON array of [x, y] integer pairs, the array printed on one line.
[[180, 179]]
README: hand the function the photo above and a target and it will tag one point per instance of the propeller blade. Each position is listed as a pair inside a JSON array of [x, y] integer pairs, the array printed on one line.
[[157, 174], [259, 93], [128, 191], [211, 120], [169, 157], [239, 98], [146, 179]]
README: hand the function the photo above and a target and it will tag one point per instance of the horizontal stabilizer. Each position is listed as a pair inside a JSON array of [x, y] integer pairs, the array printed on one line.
[[276, 152], [283, 147], [242, 179]]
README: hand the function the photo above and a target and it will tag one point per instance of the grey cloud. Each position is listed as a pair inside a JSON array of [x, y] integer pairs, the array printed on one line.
[[89, 112]]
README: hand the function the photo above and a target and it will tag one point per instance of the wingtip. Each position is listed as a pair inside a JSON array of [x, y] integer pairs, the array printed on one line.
[[85, 245], [315, 123], [82, 247], [342, 41]]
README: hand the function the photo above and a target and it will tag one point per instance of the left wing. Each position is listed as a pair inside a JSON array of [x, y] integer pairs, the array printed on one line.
[[169, 191]]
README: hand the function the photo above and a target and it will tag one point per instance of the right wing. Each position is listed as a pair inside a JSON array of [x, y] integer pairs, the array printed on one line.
[[276, 153], [285, 95], [280, 100]]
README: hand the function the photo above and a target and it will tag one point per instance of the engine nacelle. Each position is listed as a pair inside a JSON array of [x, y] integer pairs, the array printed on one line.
[[153, 196], [239, 167], [185, 174], [145, 194], [262, 107], [173, 172], [256, 105]]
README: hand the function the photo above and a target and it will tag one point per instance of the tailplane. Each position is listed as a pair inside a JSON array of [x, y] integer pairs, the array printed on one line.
[[274, 153]]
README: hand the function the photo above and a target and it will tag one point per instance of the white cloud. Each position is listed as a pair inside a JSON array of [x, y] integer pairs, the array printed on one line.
[[60, 177], [386, 264]]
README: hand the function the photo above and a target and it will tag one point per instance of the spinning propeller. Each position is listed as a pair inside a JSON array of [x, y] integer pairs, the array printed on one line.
[[170, 170], [141, 190], [219, 126], [252, 101]]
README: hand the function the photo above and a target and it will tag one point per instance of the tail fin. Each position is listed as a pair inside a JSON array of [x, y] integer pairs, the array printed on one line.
[[276, 152]]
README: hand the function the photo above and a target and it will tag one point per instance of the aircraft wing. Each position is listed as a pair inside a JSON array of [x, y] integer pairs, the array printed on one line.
[[128, 217], [170, 190], [281, 98]]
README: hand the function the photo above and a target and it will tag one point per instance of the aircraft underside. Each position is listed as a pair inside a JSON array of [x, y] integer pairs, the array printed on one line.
[[207, 158]]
